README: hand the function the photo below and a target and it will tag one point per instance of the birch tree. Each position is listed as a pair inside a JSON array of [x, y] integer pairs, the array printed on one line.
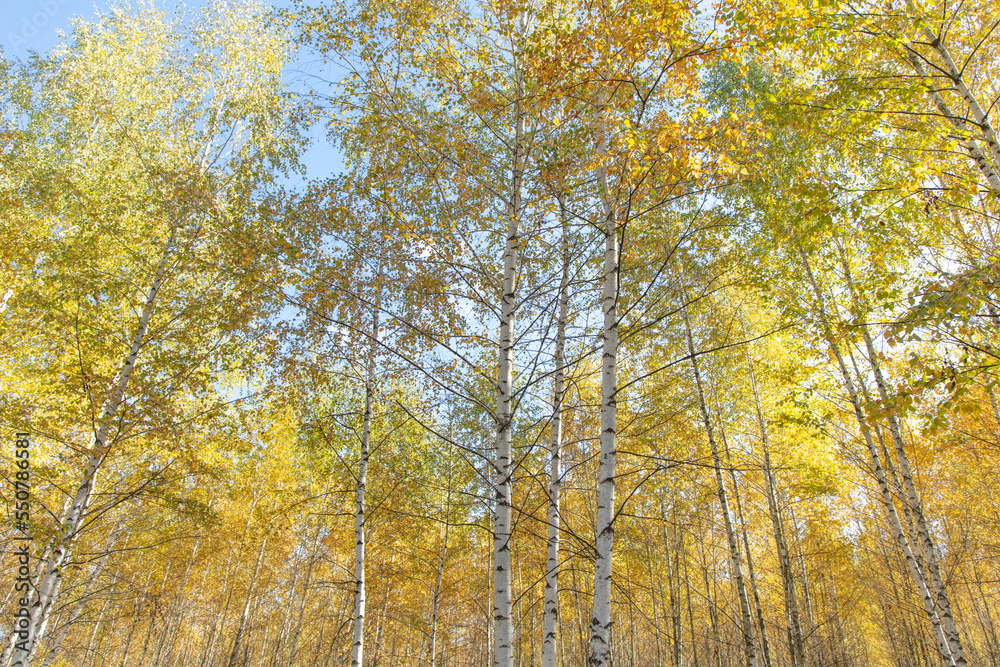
[[193, 163]]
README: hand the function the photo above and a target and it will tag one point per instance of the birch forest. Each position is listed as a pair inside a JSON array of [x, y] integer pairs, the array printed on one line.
[[600, 333]]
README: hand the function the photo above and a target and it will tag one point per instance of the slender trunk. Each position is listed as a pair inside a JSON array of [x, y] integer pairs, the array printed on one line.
[[551, 613], [913, 503], [631, 614], [975, 149], [580, 632], [317, 649], [14, 638], [503, 631], [734, 550], [383, 608], [986, 128], [170, 632], [100, 617], [674, 584], [655, 589], [672, 579], [758, 609], [926, 596], [153, 614], [600, 625], [89, 654], [279, 643], [78, 609], [136, 616], [48, 586], [358, 643], [793, 620], [219, 624], [241, 628], [690, 607], [442, 561], [713, 620], [293, 649]]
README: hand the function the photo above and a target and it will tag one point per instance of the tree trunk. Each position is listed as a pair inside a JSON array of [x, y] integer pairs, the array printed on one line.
[[219, 624], [746, 625], [796, 642], [503, 631], [986, 128], [551, 622], [600, 644], [442, 561], [915, 506], [48, 587], [241, 628], [358, 643], [926, 596], [758, 609], [136, 617], [293, 649], [153, 614], [177, 617], [81, 603], [975, 149], [690, 608], [713, 619]]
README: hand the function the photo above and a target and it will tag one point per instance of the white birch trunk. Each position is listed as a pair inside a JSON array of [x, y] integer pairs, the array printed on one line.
[[358, 641], [986, 128], [972, 145], [600, 625], [80, 605], [153, 614], [765, 644], [503, 627], [48, 587], [294, 648], [180, 603], [915, 506], [926, 597], [793, 620], [8, 652], [746, 622], [439, 584], [550, 627], [219, 623], [241, 628]]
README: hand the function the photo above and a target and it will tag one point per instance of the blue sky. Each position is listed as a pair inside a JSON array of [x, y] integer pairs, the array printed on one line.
[[33, 25]]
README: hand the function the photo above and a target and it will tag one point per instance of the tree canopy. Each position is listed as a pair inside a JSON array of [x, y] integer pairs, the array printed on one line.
[[621, 333]]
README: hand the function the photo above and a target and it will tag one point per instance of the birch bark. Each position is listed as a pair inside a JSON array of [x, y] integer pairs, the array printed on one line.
[[551, 621], [600, 625], [79, 607], [746, 626], [241, 628], [293, 649], [358, 643], [442, 562], [972, 145], [219, 624], [989, 133], [48, 587], [796, 643], [758, 609], [503, 627], [924, 540], [169, 634], [926, 597]]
